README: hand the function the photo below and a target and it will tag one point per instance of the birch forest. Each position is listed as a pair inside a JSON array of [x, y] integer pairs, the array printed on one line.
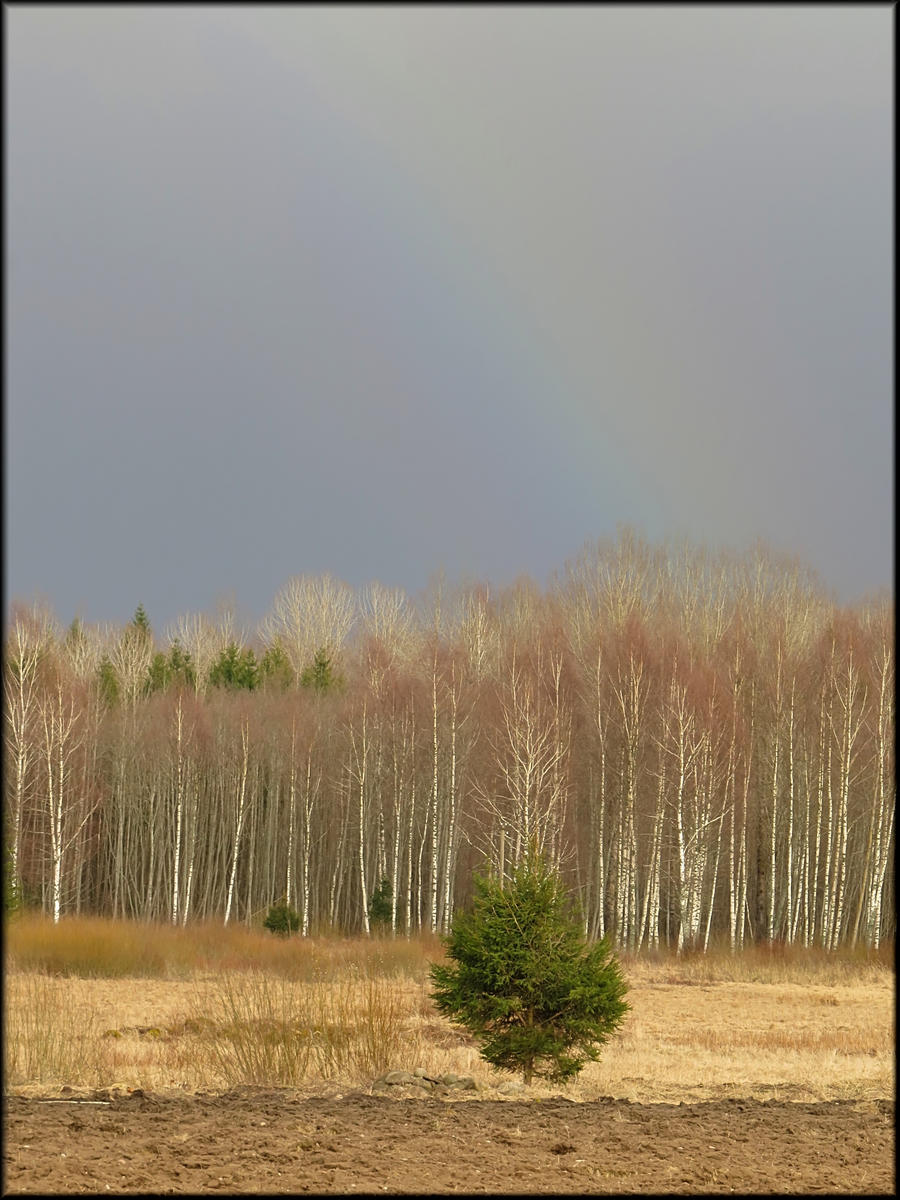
[[703, 744]]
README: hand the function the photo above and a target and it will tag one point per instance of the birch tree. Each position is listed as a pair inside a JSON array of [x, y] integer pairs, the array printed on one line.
[[851, 694], [203, 640], [881, 825], [311, 614], [67, 811], [529, 755], [27, 645], [240, 812], [130, 658]]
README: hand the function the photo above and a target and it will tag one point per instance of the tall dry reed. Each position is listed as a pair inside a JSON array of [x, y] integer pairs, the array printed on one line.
[[261, 1028], [771, 963], [50, 1034], [96, 947]]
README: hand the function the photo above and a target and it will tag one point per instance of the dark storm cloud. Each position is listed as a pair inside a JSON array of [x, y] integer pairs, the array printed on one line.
[[376, 291]]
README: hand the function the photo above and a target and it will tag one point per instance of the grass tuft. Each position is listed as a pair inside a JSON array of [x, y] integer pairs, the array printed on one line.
[[268, 1029], [50, 1035]]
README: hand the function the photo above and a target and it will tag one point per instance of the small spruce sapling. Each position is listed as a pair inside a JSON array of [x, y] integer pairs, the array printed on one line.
[[381, 905], [522, 978], [108, 682], [320, 675], [234, 669], [275, 668], [282, 919]]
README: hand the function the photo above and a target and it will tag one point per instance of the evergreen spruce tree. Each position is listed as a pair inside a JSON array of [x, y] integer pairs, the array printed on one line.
[[234, 669], [282, 918], [158, 674], [180, 666], [75, 635], [320, 676], [523, 980], [141, 623], [380, 907], [166, 670], [275, 668], [108, 682]]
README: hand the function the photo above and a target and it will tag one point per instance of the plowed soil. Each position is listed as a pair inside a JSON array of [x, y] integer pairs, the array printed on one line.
[[262, 1140]]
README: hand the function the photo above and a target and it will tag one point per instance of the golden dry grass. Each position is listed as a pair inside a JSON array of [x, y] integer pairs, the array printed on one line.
[[332, 1013], [95, 946]]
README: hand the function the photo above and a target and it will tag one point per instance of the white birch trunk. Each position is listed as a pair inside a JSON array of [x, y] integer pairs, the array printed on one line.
[[179, 807], [151, 866], [882, 838], [361, 763], [789, 841], [731, 790], [848, 740], [601, 831], [434, 803], [828, 891], [649, 927], [292, 808], [680, 842], [395, 861], [450, 861], [192, 851], [770, 917], [409, 852], [820, 806], [829, 817], [239, 824], [19, 686], [307, 841]]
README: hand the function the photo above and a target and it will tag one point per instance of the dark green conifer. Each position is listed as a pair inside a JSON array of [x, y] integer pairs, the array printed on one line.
[[282, 918], [320, 676], [235, 669], [180, 665], [108, 682], [158, 674], [523, 979], [275, 668], [141, 623], [381, 907]]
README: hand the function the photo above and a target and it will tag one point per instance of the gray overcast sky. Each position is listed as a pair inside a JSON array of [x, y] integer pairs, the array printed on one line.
[[382, 290]]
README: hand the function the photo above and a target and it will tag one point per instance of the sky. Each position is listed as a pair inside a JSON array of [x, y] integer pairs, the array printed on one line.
[[383, 291]]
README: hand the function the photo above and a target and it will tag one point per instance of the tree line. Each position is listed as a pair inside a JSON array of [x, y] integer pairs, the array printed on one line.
[[701, 744]]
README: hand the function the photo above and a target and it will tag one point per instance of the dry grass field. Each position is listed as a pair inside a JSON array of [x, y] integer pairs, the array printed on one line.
[[109, 1010], [99, 1004]]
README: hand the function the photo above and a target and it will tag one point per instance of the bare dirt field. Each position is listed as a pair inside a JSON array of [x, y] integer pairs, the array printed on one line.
[[275, 1141]]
